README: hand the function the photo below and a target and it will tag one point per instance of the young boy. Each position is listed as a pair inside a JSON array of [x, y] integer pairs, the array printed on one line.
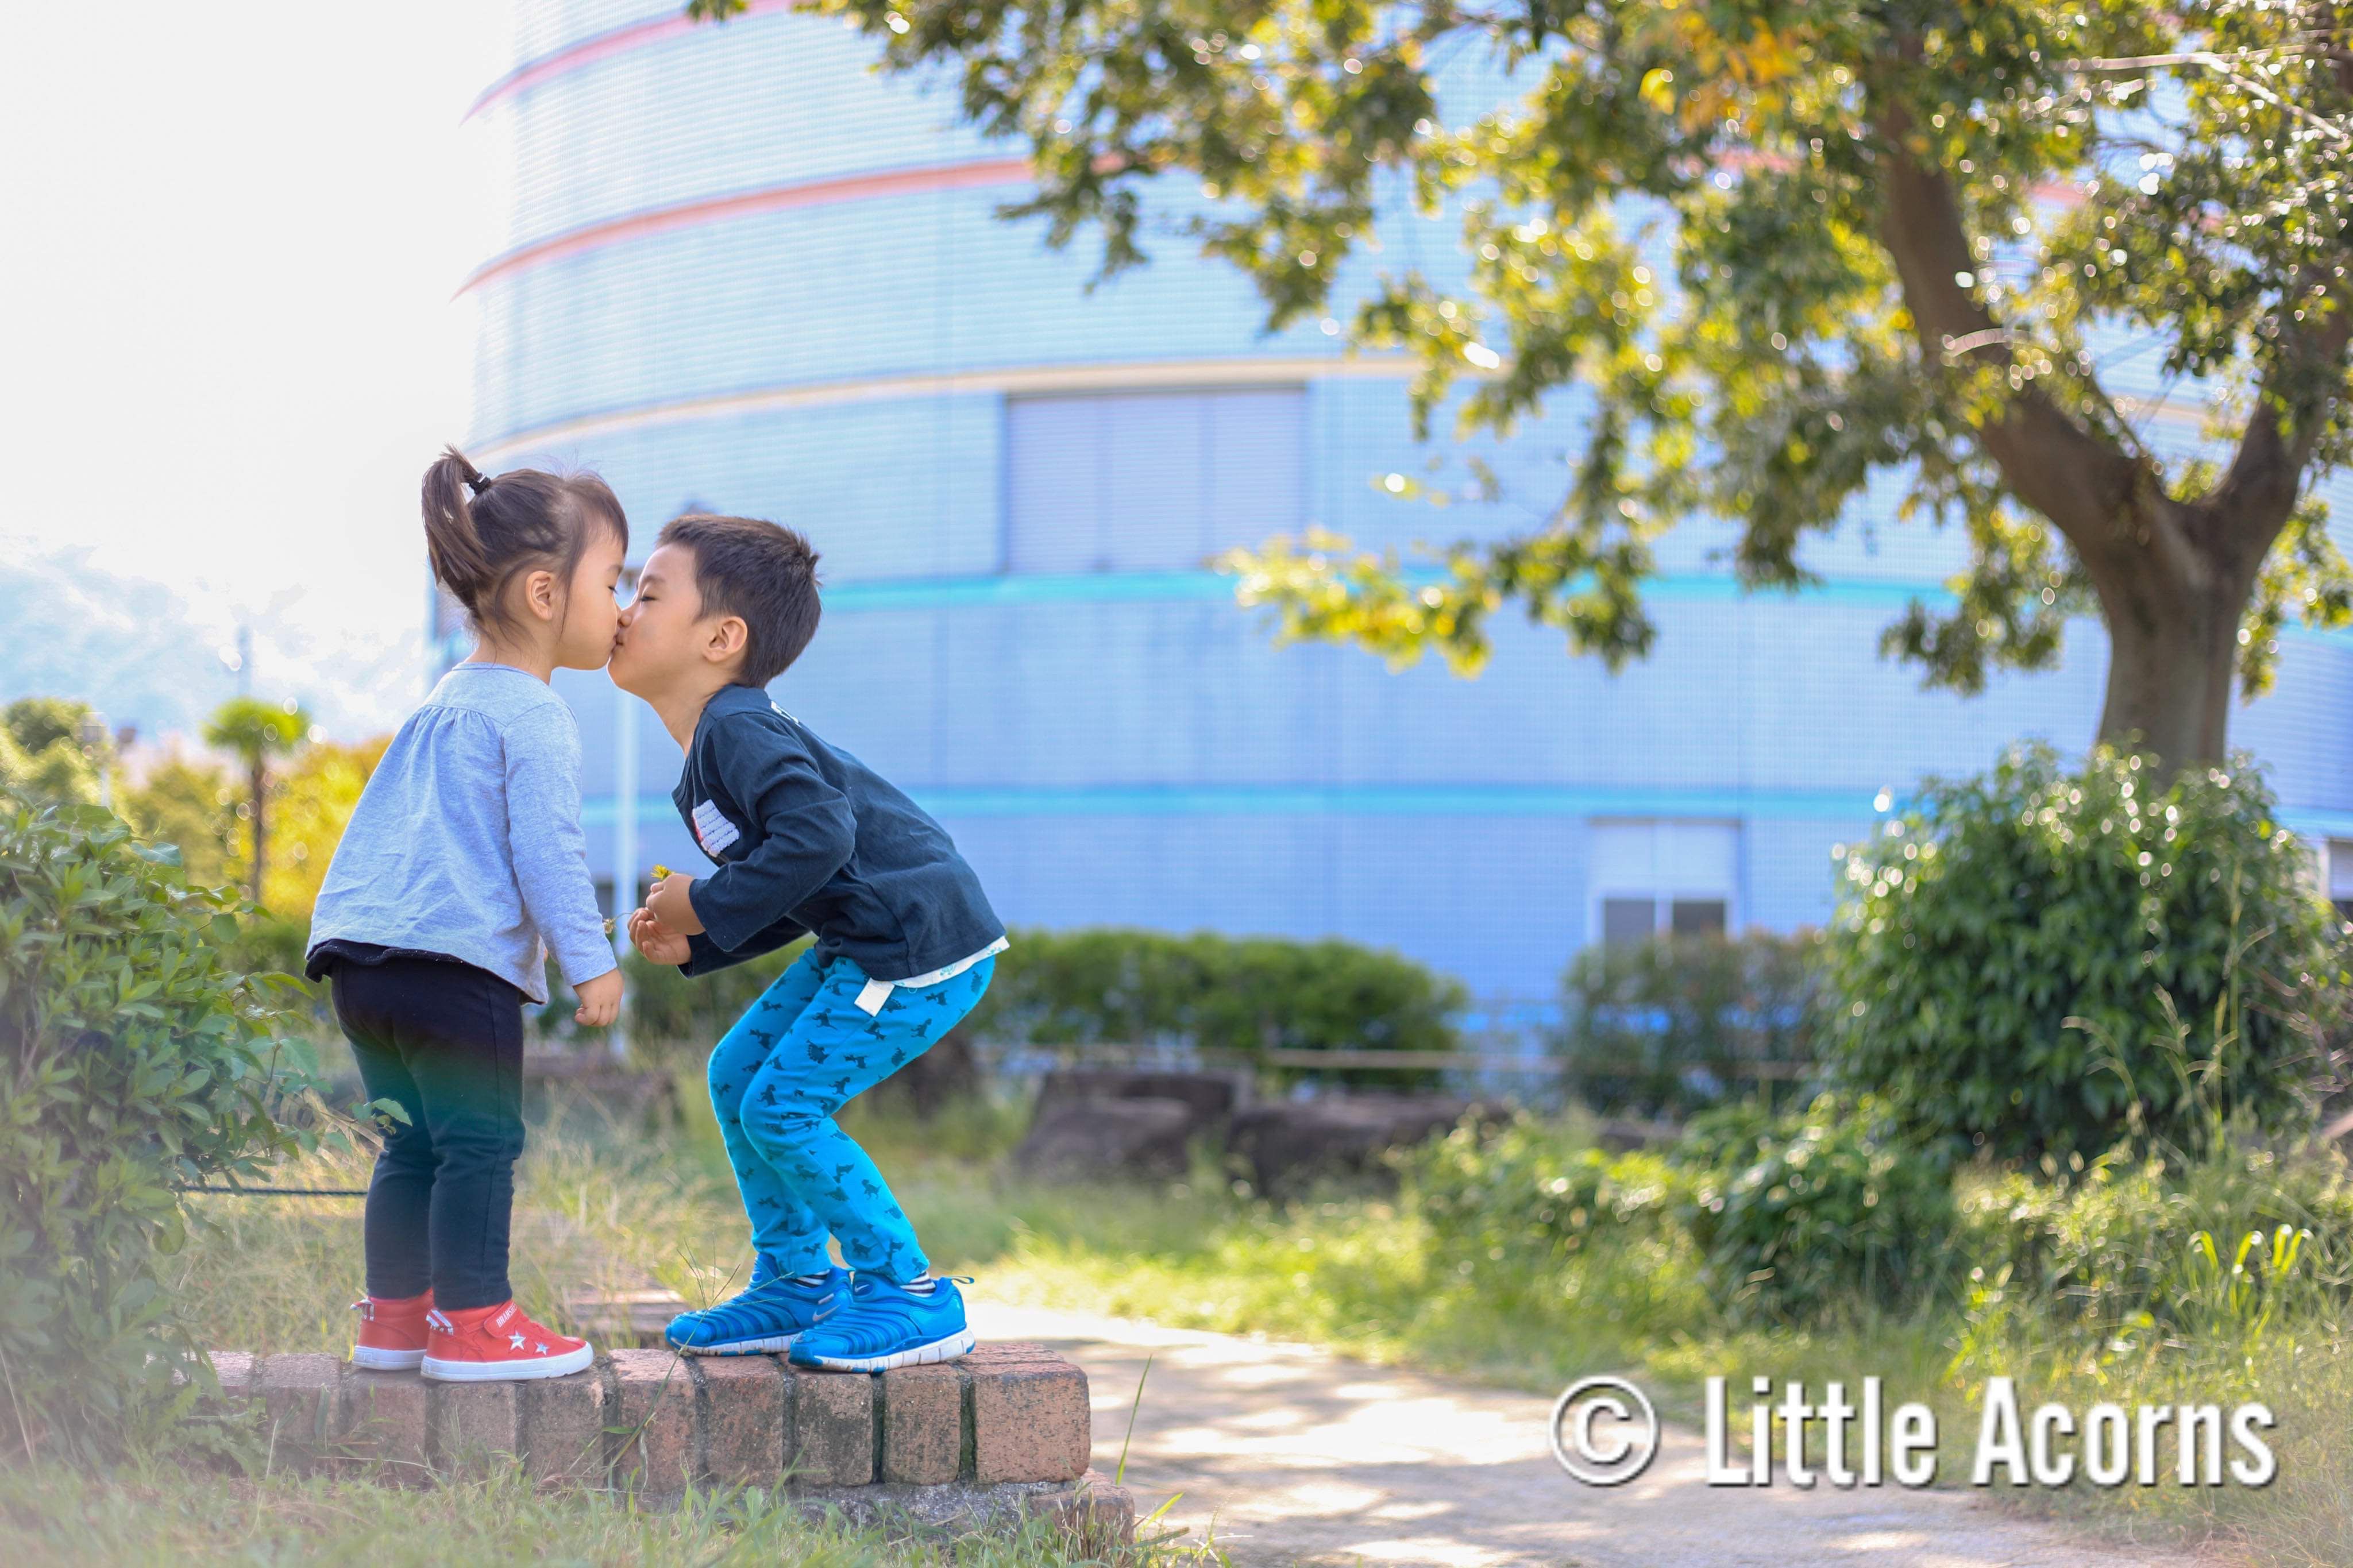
[[807, 839]]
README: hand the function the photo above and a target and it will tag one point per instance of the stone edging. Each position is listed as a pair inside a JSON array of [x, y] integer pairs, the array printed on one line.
[[1001, 1431]]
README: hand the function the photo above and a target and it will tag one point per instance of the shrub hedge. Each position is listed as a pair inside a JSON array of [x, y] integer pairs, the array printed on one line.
[[1112, 984], [1662, 1027], [2047, 959], [134, 1056]]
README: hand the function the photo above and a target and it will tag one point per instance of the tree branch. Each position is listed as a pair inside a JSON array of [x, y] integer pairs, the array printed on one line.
[[2082, 482], [2252, 502]]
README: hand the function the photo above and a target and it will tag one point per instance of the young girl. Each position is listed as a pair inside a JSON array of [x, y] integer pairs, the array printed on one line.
[[463, 863]]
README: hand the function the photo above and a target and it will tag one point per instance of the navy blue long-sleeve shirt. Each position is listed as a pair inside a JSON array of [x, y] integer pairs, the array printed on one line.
[[809, 839]]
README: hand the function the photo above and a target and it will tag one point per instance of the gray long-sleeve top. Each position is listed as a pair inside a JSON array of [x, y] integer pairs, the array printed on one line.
[[466, 840]]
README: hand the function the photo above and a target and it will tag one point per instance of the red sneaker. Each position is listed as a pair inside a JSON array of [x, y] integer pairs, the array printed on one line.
[[392, 1333], [498, 1345]]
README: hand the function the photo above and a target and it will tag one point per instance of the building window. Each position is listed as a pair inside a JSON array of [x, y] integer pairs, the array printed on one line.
[[2340, 877], [1663, 877], [1695, 917], [1137, 481], [1627, 920]]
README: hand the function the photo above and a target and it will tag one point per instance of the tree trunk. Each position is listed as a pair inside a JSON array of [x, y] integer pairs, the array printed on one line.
[[260, 781], [2173, 615]]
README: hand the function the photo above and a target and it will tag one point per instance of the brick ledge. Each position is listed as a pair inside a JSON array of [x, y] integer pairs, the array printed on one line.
[[970, 1438]]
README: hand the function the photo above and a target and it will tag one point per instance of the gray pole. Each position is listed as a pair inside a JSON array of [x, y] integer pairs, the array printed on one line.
[[625, 836]]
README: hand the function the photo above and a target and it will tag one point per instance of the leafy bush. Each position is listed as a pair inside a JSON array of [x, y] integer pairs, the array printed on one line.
[[1660, 1027], [1979, 927], [1797, 1213], [668, 1007], [1787, 1216], [1240, 993], [41, 753], [1530, 1193], [2122, 1242], [1108, 984], [132, 1056]]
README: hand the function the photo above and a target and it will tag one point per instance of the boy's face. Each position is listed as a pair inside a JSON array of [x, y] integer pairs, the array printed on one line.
[[664, 641]]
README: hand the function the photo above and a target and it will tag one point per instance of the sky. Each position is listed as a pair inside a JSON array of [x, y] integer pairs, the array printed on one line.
[[228, 345]]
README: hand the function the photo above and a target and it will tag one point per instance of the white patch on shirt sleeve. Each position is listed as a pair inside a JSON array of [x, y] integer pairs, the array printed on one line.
[[712, 830]]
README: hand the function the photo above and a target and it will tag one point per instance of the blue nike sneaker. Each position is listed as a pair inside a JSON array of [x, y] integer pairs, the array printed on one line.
[[770, 1314], [886, 1325]]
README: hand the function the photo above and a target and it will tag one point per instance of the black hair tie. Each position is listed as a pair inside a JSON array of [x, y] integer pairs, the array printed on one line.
[[480, 483]]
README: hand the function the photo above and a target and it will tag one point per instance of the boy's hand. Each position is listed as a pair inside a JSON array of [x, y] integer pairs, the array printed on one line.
[[656, 941], [600, 1000], [671, 904]]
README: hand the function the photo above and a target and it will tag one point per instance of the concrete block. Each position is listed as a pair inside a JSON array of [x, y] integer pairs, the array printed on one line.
[[386, 1426], [477, 1425], [922, 1423], [239, 1372], [564, 1422], [1096, 1516], [298, 1397], [1029, 1420], [654, 1409], [741, 1401], [833, 1428]]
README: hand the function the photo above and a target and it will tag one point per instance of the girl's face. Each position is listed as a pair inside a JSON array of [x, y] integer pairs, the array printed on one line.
[[583, 638]]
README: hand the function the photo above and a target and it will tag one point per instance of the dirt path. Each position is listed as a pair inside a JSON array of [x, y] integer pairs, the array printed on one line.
[[1297, 1455]]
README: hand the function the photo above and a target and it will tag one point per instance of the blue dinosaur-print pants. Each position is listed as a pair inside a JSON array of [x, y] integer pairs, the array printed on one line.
[[793, 1059]]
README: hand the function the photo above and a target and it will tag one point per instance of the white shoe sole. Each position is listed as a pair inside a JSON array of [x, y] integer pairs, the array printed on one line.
[[374, 1359], [739, 1347], [509, 1371], [955, 1344]]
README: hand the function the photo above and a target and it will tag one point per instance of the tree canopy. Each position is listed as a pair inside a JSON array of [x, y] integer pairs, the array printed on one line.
[[1891, 233]]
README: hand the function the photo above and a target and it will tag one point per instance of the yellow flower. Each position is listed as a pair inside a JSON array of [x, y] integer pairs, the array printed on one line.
[[660, 872]]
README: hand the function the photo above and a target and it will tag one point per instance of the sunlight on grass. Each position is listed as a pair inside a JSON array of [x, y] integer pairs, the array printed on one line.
[[607, 1206], [161, 1514]]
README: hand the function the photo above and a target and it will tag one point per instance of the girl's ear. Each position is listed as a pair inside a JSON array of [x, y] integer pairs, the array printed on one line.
[[542, 594]]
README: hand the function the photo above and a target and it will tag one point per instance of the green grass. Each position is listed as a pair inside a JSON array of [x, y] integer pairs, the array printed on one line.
[[1362, 1273], [159, 1514]]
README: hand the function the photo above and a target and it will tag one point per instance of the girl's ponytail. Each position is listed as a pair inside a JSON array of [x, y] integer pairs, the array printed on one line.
[[455, 549], [482, 532]]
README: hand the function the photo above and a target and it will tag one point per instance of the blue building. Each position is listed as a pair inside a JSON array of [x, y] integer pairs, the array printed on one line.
[[745, 273]]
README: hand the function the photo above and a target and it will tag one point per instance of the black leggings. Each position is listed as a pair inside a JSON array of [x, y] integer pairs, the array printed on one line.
[[444, 1040]]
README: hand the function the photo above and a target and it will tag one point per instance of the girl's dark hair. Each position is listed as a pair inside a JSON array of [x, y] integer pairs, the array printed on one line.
[[482, 533]]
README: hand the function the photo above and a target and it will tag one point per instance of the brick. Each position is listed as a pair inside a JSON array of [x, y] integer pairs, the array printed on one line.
[[477, 1425], [385, 1425], [741, 1402], [1030, 1421], [833, 1428], [564, 1422], [298, 1394], [654, 1407], [922, 1423]]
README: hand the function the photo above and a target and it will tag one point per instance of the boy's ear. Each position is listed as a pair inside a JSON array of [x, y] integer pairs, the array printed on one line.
[[728, 636]]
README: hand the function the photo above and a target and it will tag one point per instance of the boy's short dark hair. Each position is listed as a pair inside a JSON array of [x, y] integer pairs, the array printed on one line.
[[764, 573]]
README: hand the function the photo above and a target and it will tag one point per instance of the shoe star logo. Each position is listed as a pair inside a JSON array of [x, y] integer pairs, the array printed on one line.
[[541, 1349], [515, 1340]]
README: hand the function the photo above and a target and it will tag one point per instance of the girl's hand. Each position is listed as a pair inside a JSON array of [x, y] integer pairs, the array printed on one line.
[[656, 941], [672, 904], [600, 1000]]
